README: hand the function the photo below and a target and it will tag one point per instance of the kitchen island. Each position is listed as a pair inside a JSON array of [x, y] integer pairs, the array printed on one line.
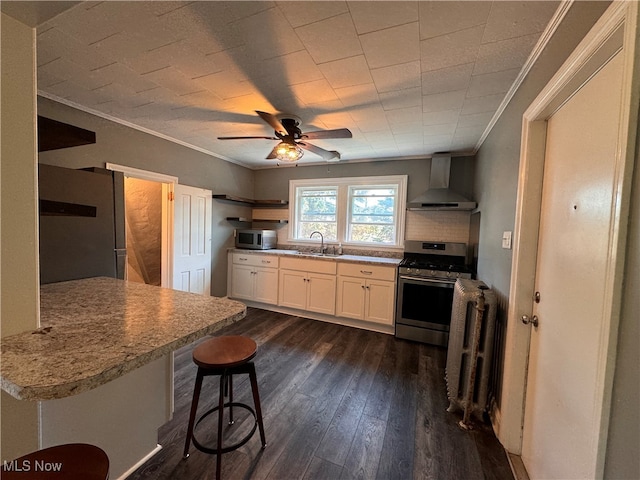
[[100, 365]]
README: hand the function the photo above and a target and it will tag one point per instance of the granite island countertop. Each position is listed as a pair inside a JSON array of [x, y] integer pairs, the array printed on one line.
[[97, 329]]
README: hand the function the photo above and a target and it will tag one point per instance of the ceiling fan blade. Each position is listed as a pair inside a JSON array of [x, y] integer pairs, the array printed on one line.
[[325, 154], [244, 138], [272, 154], [273, 121], [321, 134]]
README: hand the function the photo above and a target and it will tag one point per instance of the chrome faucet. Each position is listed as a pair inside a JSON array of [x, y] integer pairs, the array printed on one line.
[[321, 240]]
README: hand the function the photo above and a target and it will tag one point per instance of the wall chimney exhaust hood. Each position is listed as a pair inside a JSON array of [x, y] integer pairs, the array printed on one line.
[[438, 196]]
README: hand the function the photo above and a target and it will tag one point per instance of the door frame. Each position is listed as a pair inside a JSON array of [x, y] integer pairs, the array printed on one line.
[[614, 30], [168, 183]]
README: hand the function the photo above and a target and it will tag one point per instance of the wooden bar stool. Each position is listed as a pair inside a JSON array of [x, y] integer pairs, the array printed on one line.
[[225, 356], [73, 461]]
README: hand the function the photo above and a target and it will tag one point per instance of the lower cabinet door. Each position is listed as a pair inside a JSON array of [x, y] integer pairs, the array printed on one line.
[[321, 295], [350, 298], [380, 304], [266, 290], [242, 282], [292, 289]]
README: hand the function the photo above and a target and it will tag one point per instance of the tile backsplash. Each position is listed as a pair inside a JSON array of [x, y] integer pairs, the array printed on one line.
[[438, 226]]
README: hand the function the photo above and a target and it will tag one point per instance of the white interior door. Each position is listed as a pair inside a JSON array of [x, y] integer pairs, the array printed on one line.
[[192, 239], [564, 395]]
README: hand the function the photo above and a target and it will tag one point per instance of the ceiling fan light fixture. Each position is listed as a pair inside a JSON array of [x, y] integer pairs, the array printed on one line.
[[288, 152]]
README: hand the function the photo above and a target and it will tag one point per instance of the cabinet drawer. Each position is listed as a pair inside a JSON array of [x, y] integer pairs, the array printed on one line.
[[307, 265], [256, 260], [363, 270]]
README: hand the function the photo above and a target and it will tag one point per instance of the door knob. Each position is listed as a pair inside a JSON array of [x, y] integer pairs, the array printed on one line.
[[533, 320]]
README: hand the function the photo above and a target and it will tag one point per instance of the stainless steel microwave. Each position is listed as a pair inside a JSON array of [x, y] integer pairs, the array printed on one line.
[[256, 239]]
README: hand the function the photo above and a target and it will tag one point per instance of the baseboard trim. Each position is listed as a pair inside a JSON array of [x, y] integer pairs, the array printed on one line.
[[517, 467], [347, 322], [140, 462]]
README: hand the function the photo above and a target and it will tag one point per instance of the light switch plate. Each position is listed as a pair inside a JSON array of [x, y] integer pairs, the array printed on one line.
[[506, 240]]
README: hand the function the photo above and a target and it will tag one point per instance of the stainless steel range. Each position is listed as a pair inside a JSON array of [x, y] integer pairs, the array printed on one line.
[[426, 277]]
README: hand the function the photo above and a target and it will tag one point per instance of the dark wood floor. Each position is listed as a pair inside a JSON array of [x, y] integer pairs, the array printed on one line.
[[338, 402]]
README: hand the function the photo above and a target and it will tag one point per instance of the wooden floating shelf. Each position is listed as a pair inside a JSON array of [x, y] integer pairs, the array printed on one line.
[[254, 203], [248, 220], [53, 135]]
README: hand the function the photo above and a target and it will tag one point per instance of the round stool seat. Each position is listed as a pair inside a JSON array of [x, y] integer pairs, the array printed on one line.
[[224, 352], [73, 461]]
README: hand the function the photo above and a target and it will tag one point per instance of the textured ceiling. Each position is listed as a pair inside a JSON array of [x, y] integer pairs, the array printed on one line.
[[407, 78]]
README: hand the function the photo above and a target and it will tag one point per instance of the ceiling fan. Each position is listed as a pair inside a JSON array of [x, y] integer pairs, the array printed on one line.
[[293, 140]]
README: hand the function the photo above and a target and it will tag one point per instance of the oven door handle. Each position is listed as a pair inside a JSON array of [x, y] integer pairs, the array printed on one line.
[[438, 282]]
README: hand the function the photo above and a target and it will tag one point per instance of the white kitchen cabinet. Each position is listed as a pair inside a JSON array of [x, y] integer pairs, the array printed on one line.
[[366, 292], [254, 277], [307, 285]]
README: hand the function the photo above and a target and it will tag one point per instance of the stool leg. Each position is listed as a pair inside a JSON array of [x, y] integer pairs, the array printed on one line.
[[231, 422], [256, 401], [223, 379], [192, 415]]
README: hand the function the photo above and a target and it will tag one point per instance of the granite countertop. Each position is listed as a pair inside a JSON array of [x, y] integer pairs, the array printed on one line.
[[97, 329], [365, 259]]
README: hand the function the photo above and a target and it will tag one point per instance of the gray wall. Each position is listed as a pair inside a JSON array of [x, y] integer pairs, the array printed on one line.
[[122, 145], [273, 183], [622, 460], [495, 188], [498, 160]]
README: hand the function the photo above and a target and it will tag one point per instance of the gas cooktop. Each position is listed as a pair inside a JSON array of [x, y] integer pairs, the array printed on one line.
[[435, 259]]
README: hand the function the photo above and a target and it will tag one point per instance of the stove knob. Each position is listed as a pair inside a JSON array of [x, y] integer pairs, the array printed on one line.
[[448, 274]]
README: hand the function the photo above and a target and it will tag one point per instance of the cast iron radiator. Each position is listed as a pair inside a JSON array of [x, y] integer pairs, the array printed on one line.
[[470, 351]]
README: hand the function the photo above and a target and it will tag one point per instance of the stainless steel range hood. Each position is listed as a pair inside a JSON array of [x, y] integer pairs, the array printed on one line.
[[438, 196]]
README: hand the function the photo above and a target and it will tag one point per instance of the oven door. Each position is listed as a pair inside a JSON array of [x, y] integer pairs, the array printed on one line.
[[424, 302]]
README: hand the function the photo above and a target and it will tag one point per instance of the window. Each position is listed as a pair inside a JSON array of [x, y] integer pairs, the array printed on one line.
[[317, 211], [365, 211]]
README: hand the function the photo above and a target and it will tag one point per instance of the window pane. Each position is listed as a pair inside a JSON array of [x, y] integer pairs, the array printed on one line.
[[328, 230], [372, 214], [317, 211], [373, 233], [377, 191]]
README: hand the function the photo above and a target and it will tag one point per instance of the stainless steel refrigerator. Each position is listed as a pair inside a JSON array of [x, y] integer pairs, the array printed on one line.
[[82, 227]]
